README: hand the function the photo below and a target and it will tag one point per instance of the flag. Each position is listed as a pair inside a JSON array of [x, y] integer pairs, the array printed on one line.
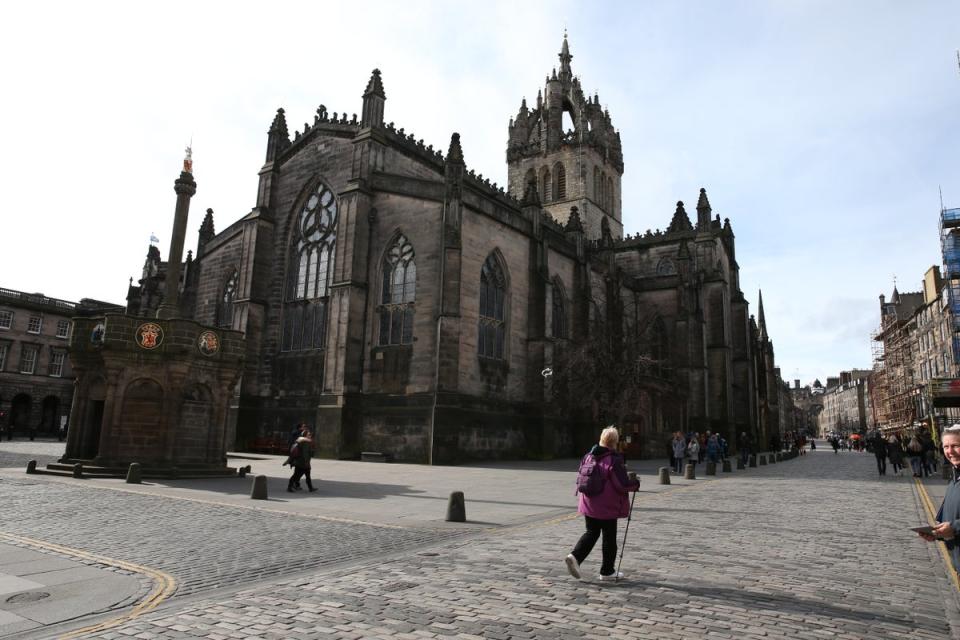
[[154, 238]]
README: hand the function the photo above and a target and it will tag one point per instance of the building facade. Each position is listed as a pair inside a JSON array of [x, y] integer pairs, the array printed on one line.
[[404, 305], [846, 404], [36, 379]]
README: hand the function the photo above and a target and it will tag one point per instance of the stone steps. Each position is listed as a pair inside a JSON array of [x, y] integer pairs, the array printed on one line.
[[65, 468]]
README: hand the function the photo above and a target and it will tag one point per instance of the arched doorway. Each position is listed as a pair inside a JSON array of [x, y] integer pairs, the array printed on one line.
[[92, 421], [50, 416], [20, 413]]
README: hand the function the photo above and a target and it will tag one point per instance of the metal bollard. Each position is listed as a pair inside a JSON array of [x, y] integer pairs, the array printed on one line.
[[753, 460], [456, 507], [726, 466], [259, 490], [32, 466], [711, 468], [664, 475], [690, 473], [133, 473], [242, 472]]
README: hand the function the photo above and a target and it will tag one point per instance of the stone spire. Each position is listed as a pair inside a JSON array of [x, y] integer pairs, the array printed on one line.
[[681, 221], [206, 233], [565, 73], [278, 138], [703, 211], [373, 101], [454, 166], [761, 318], [573, 222]]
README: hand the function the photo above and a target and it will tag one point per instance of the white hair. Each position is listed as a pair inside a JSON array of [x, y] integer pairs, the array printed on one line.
[[609, 437]]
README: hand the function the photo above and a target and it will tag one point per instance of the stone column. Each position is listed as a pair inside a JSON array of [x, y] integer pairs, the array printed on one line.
[[185, 188]]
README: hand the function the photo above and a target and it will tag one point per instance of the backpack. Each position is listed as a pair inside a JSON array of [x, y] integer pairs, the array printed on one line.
[[590, 478]]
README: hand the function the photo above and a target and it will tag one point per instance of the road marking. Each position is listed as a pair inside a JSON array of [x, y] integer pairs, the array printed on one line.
[[163, 587], [931, 517]]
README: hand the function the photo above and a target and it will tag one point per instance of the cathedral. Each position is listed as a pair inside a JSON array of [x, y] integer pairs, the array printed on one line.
[[403, 305]]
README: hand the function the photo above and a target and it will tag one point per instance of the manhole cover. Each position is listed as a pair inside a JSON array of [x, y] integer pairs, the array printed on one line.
[[27, 596]]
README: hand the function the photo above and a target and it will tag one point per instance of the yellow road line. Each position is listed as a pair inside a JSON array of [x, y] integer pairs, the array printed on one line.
[[931, 518], [163, 587]]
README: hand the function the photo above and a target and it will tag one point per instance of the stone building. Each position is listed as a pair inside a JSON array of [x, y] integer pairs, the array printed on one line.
[[407, 306], [36, 379], [846, 403]]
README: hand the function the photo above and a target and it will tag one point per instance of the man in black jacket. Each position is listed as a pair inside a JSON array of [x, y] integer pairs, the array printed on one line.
[[880, 451], [948, 518]]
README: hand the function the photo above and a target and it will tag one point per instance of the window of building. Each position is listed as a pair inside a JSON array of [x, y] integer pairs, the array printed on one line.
[[559, 182], [308, 283], [545, 185], [225, 314], [558, 313], [34, 324], [493, 291], [6, 319], [610, 198], [63, 328], [28, 358], [397, 294], [3, 355], [56, 363]]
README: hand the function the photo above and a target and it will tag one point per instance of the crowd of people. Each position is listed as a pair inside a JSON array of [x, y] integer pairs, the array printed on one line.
[[694, 447]]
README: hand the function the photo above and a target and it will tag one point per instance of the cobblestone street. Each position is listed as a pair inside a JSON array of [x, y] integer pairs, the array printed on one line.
[[816, 547]]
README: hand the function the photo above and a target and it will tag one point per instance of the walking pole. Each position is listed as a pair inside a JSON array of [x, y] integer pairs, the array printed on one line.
[[625, 531]]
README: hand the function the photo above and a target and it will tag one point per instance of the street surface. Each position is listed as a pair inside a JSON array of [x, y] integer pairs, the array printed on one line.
[[815, 547]]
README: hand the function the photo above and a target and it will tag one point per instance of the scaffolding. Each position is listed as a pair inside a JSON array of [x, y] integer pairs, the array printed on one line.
[[950, 247], [893, 393]]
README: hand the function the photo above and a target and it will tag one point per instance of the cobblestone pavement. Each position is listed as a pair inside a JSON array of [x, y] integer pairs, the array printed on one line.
[[17, 453], [816, 547]]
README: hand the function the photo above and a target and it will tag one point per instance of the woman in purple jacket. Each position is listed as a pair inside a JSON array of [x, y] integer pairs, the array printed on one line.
[[601, 511]]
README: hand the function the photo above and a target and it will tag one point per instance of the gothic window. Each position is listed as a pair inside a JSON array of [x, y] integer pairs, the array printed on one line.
[[225, 315], [493, 291], [666, 267], [558, 316], [609, 206], [398, 291], [559, 182], [545, 185], [312, 244], [603, 191], [531, 176], [596, 186]]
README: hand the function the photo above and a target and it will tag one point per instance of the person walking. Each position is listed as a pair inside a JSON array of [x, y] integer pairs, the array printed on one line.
[[693, 450], [713, 449], [743, 447], [679, 451], [300, 455], [880, 451], [915, 453], [948, 518], [895, 453], [602, 510]]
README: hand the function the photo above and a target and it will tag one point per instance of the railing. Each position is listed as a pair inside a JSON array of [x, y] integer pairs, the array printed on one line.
[[37, 298]]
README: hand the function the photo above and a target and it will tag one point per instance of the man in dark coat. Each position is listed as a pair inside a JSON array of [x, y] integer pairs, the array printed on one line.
[[880, 451], [948, 518]]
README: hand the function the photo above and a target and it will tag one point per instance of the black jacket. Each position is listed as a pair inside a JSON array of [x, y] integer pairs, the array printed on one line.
[[950, 512]]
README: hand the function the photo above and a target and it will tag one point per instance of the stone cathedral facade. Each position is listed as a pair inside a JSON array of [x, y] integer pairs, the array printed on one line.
[[402, 304]]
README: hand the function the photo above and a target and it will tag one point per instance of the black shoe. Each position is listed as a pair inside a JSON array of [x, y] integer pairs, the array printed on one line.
[[312, 489], [290, 489]]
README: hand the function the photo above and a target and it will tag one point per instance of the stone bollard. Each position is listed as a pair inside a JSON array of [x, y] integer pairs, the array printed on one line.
[[726, 466], [772, 458], [690, 473], [456, 508], [133, 473], [740, 464], [664, 475], [248, 468], [78, 470], [259, 490], [242, 472], [32, 466], [711, 468], [753, 460], [762, 461], [780, 457]]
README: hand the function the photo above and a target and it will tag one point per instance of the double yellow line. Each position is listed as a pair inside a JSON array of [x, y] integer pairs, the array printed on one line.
[[164, 584], [932, 519]]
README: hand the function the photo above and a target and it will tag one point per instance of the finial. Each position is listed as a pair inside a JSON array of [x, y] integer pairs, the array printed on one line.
[[188, 158]]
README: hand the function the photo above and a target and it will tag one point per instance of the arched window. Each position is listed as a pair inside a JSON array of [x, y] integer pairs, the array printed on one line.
[[312, 245], [398, 291], [225, 312], [558, 315], [559, 182], [531, 176], [545, 185], [493, 292], [603, 192], [596, 186], [610, 197]]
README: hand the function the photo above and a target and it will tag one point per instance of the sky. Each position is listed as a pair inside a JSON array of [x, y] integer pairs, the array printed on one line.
[[826, 131]]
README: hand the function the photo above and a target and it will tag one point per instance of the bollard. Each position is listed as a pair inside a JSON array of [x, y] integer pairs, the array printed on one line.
[[664, 475], [772, 458], [780, 457], [690, 473], [740, 464], [726, 466], [133, 473], [753, 460], [242, 472], [762, 461], [78, 470], [259, 490], [456, 508], [711, 468], [32, 466], [248, 468], [174, 473]]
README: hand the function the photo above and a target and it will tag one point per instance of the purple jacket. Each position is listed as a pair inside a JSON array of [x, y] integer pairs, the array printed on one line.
[[611, 503]]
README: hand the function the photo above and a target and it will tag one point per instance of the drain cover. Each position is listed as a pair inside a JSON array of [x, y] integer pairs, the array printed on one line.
[[27, 596]]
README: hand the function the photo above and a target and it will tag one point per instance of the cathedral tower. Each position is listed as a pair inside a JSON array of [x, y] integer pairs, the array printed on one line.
[[567, 145]]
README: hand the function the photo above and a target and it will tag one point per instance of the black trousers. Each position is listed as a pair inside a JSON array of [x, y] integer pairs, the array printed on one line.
[[608, 528], [300, 472], [881, 464]]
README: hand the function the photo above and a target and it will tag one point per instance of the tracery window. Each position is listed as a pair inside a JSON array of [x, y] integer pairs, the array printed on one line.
[[558, 314], [398, 292], [225, 314], [559, 182], [311, 259], [610, 195], [545, 185], [492, 329]]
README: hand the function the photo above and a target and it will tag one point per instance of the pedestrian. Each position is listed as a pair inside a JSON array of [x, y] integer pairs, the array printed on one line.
[[693, 450], [880, 451], [300, 454], [743, 447], [895, 453], [601, 510], [929, 450], [915, 453], [297, 432], [679, 451], [713, 449], [835, 443], [948, 518]]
